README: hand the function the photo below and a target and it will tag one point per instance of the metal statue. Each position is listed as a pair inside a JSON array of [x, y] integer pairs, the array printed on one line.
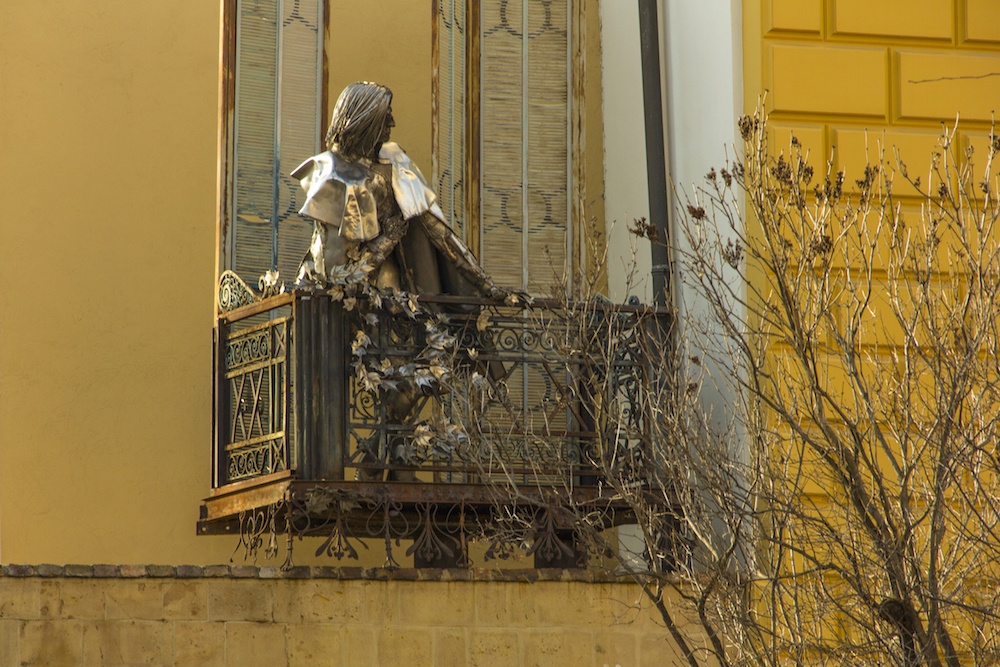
[[373, 209], [376, 218]]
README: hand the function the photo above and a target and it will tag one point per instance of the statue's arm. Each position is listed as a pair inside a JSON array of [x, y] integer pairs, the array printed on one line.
[[375, 252], [452, 247]]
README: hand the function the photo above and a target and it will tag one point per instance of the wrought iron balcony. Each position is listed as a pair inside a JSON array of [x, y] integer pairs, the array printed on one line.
[[383, 416]]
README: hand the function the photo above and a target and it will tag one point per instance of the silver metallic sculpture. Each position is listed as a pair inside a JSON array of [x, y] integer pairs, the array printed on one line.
[[376, 219], [374, 212]]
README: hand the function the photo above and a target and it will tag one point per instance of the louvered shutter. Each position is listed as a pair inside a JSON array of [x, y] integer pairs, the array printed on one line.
[[523, 84], [449, 121], [522, 163], [276, 120]]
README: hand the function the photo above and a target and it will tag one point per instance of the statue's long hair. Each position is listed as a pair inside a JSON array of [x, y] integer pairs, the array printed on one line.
[[359, 119]]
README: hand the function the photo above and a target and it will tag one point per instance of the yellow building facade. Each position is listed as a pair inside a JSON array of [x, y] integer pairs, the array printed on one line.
[[109, 183], [834, 71], [872, 93]]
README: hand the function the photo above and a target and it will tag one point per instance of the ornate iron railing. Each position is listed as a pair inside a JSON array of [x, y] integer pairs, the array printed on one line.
[[433, 404]]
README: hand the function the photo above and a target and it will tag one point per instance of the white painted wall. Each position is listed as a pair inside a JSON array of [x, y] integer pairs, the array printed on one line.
[[703, 48], [625, 194], [701, 71], [704, 93]]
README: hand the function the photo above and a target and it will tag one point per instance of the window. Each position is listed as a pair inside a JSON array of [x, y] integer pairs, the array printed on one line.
[[506, 130], [506, 142], [273, 98]]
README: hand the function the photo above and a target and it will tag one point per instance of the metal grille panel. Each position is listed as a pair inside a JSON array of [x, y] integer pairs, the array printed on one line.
[[256, 377]]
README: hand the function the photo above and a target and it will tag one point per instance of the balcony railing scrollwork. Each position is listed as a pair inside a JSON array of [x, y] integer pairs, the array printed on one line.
[[382, 416]]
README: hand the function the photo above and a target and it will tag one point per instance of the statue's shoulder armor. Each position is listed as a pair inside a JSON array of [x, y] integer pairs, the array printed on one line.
[[413, 195], [337, 194]]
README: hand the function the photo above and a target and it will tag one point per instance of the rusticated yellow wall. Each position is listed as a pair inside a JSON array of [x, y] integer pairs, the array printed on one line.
[[833, 69], [218, 621], [848, 77]]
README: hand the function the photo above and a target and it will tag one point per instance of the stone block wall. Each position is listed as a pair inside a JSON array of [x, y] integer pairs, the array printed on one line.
[[52, 616], [844, 76], [875, 82]]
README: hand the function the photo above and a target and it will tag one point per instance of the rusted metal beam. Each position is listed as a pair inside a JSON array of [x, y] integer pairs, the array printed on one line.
[[324, 112], [578, 134], [261, 306], [227, 105], [448, 492], [230, 500], [472, 125], [222, 510], [435, 87]]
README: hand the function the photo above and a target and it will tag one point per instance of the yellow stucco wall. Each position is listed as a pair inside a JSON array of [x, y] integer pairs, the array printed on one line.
[[108, 138], [388, 41], [108, 134], [108, 175]]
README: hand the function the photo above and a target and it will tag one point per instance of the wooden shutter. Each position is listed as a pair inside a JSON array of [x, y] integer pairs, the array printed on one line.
[[277, 50], [517, 100], [504, 123]]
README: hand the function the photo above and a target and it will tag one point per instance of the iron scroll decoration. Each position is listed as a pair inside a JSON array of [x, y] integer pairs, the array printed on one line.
[[234, 292]]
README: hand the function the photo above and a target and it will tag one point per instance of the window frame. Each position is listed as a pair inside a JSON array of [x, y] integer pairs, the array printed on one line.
[[577, 153], [226, 151]]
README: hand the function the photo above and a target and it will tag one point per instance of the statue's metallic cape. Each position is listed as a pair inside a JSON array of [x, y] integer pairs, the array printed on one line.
[[413, 194], [337, 192]]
